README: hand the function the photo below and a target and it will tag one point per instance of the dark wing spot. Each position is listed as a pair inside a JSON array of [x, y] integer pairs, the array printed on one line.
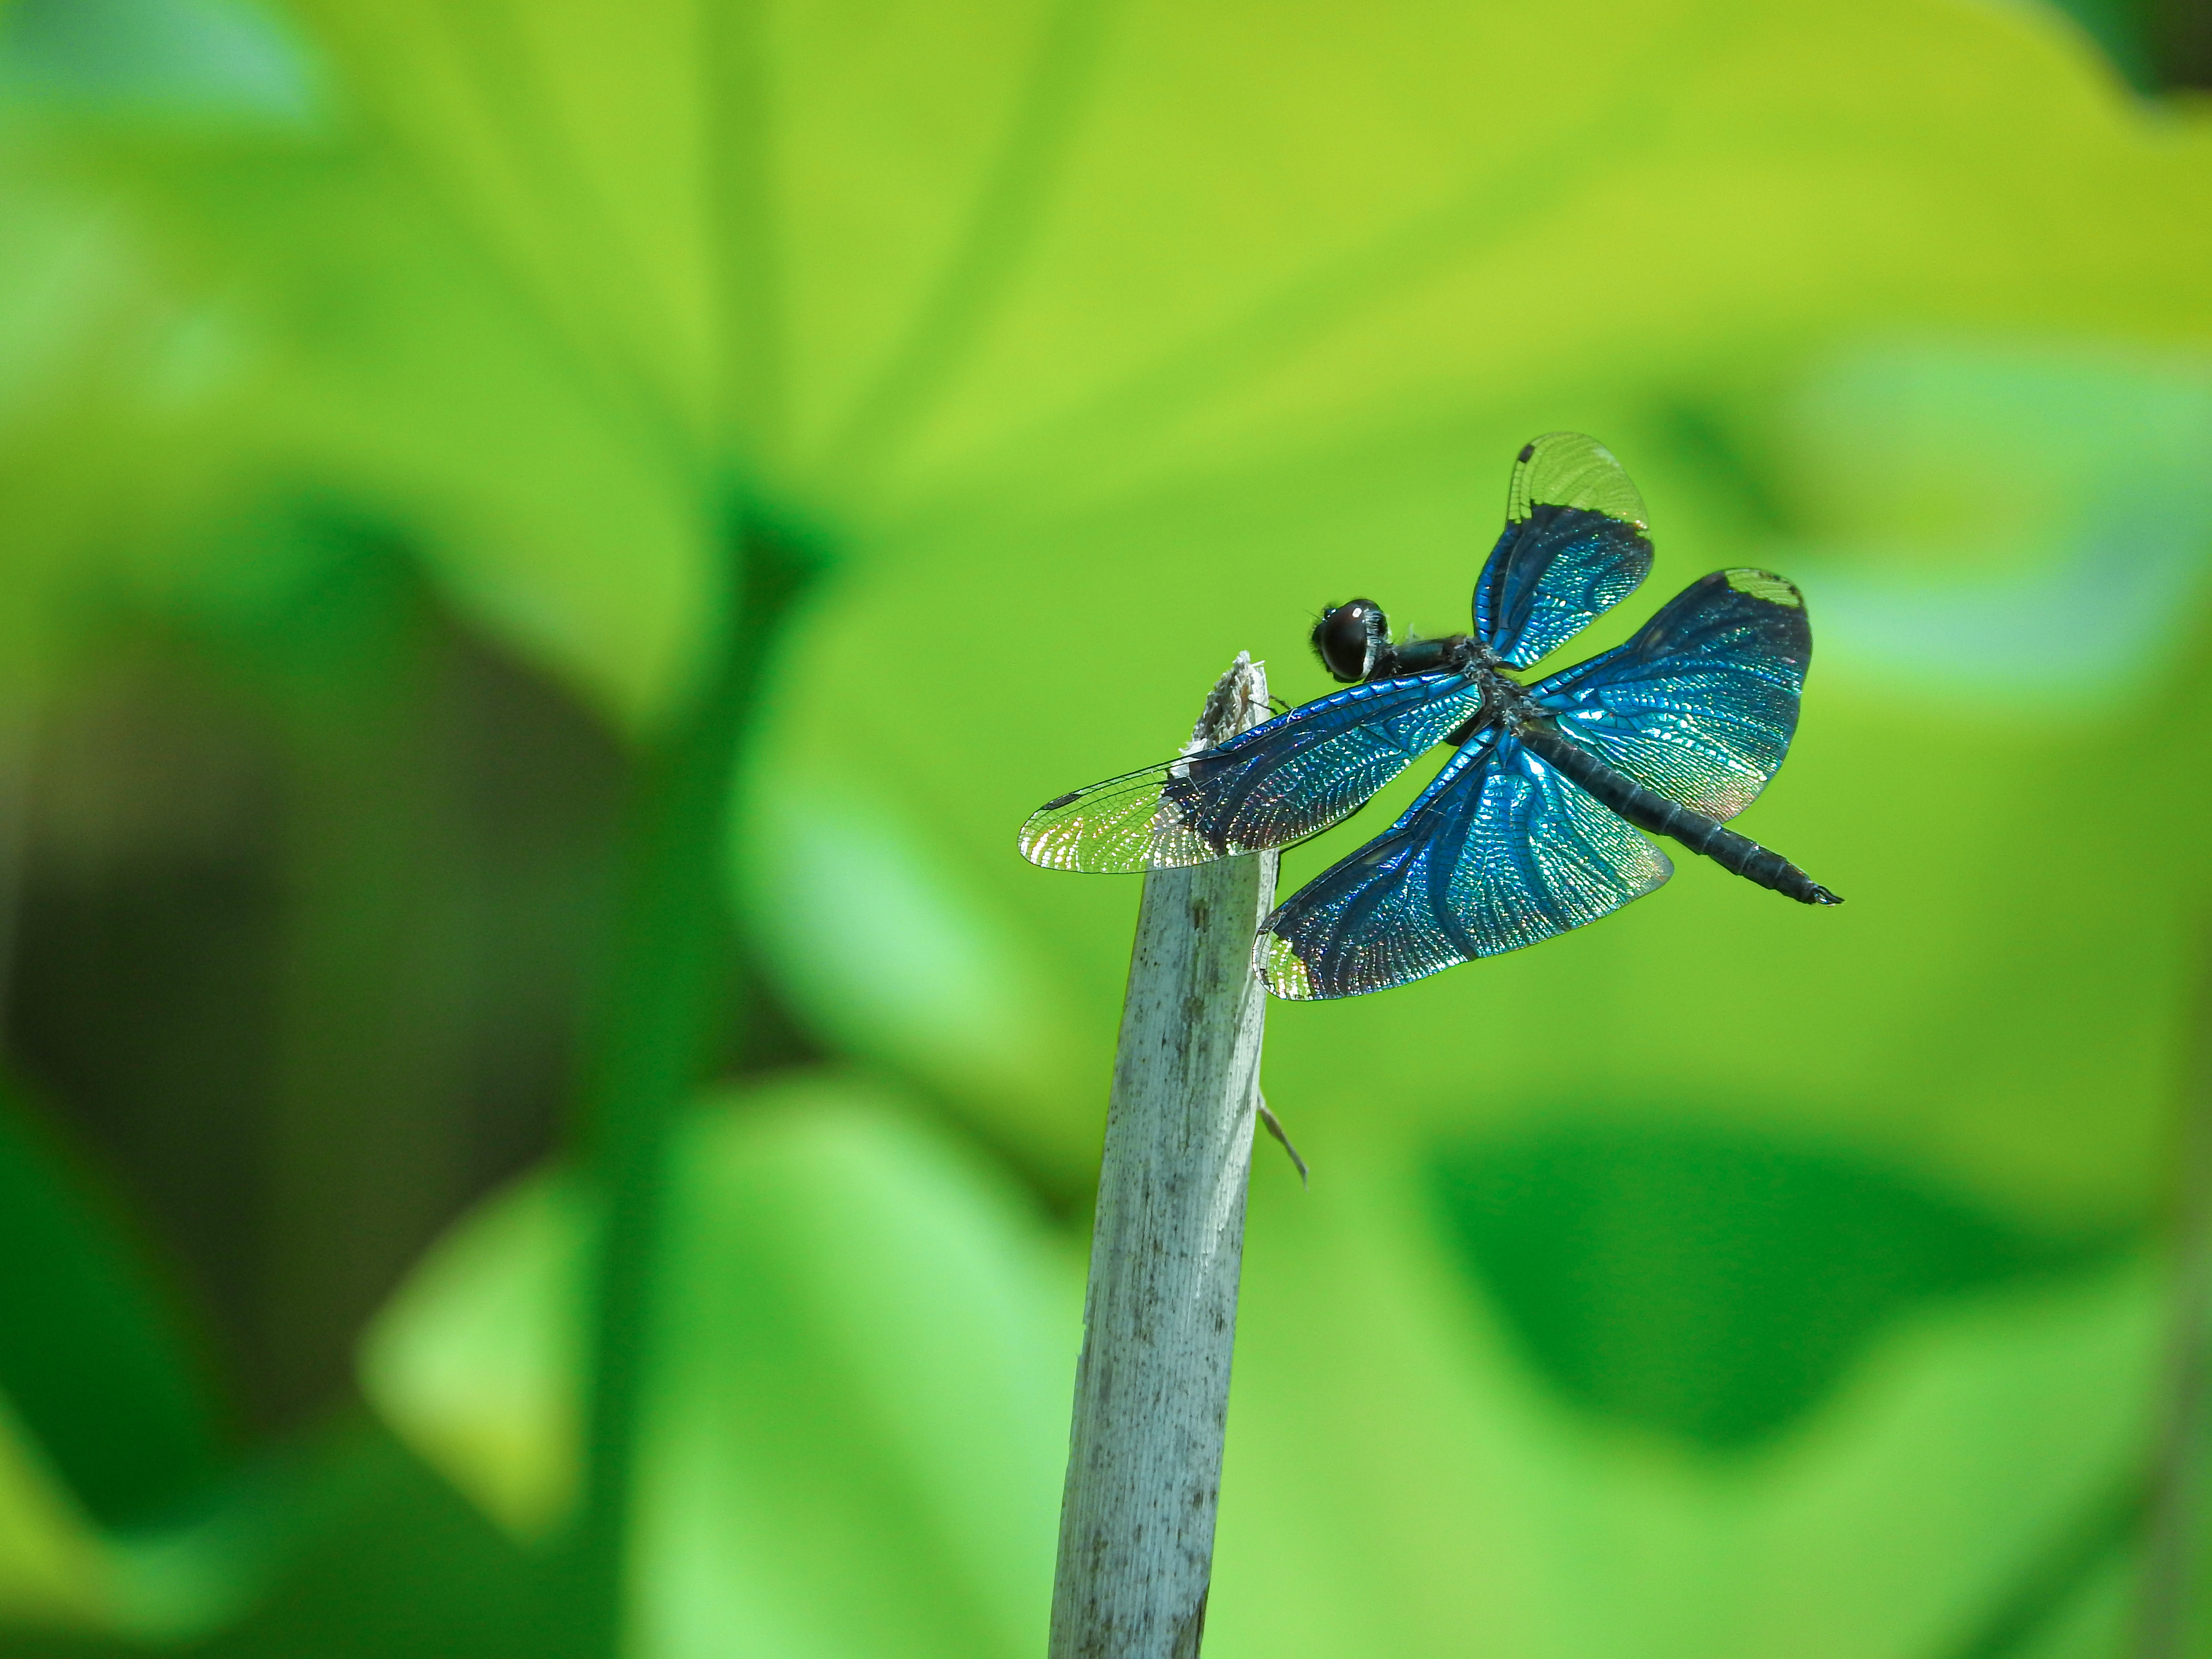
[[1059, 801], [1527, 450]]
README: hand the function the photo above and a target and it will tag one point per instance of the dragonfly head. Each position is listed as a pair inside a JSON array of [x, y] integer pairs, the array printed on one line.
[[1352, 638]]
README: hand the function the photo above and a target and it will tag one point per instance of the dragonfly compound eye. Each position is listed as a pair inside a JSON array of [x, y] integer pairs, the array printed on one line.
[[1350, 637]]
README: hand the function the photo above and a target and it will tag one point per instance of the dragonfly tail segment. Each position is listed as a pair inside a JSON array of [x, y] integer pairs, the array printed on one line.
[[1648, 811]]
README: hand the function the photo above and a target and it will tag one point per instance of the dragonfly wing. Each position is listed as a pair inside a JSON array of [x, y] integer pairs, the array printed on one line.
[[1574, 546], [1700, 705], [1501, 851], [1278, 783]]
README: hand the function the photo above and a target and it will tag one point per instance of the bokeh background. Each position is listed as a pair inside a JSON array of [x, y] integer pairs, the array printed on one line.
[[547, 545]]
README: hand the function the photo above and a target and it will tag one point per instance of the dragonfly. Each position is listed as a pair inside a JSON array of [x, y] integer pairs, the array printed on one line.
[[1539, 821]]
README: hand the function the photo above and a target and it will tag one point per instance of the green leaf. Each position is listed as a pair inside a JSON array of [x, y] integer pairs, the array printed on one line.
[[50, 1559], [250, 316], [857, 1409], [861, 1382], [1710, 1283], [476, 1358], [188, 63], [1405, 1480], [117, 1504], [889, 954], [92, 1356]]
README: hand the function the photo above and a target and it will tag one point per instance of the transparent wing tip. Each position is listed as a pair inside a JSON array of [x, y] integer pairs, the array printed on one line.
[[1084, 838], [1050, 841], [1765, 585], [1572, 468], [1116, 828], [1279, 969], [1075, 842]]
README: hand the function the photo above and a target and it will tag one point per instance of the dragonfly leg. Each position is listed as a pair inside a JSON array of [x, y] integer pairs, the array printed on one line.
[[1274, 1128]]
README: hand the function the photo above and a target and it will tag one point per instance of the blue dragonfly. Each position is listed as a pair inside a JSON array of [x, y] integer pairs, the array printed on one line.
[[1531, 828]]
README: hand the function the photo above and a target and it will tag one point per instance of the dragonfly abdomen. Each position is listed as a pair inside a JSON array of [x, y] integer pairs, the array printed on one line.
[[1650, 810]]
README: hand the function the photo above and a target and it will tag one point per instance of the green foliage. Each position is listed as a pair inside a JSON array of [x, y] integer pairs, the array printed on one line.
[[1709, 1284], [853, 1437], [89, 1356], [865, 1380]]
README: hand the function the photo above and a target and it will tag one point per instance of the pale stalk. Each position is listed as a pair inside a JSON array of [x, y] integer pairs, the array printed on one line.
[[1151, 1391]]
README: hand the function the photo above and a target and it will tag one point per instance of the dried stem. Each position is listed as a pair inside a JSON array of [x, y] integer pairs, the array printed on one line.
[[1152, 1393]]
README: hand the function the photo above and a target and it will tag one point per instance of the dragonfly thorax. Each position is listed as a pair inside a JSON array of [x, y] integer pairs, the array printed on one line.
[[1505, 698]]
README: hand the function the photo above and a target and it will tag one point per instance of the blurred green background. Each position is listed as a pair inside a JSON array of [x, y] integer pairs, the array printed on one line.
[[547, 545]]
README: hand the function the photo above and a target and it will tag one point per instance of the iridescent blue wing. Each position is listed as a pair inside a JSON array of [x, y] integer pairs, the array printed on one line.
[[1499, 852], [1700, 705], [1574, 547], [1278, 783]]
